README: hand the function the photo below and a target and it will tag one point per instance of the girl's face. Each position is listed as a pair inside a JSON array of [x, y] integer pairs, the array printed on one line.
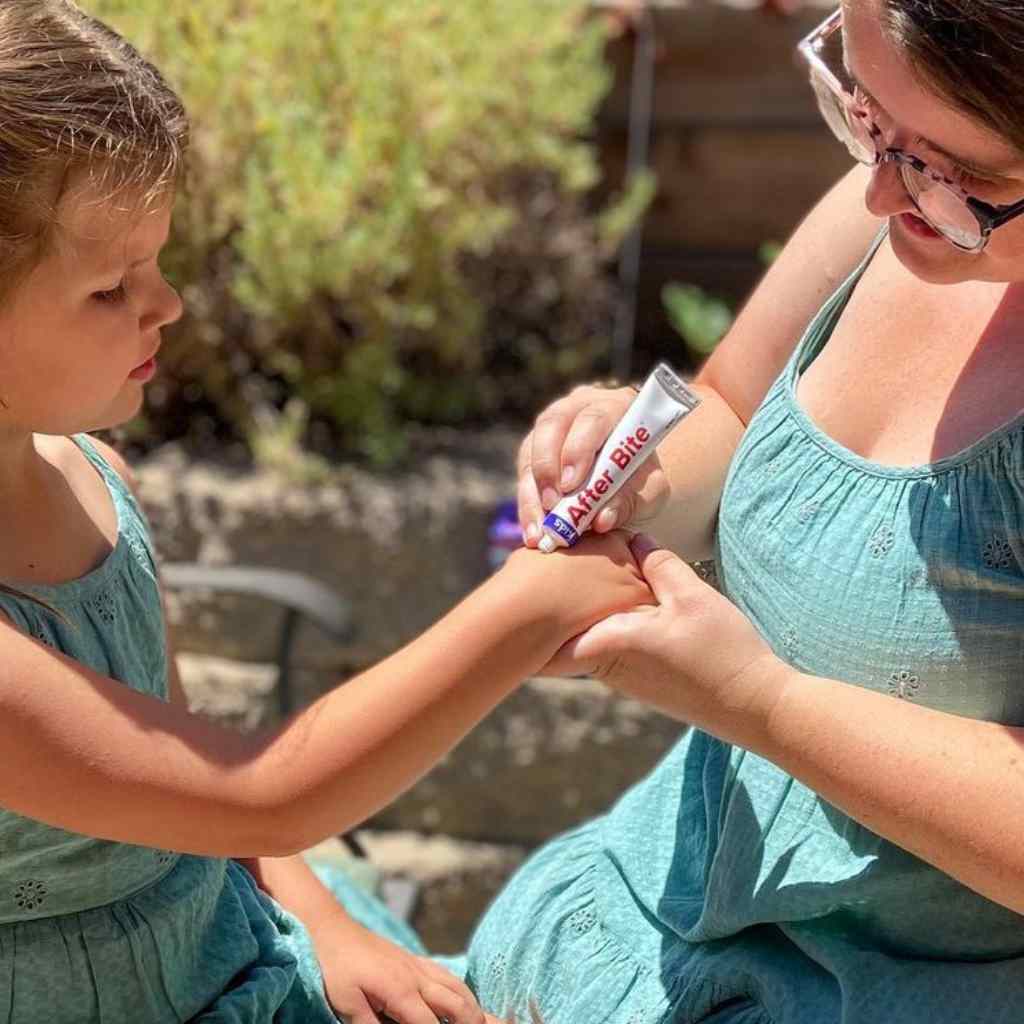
[[912, 117], [77, 335]]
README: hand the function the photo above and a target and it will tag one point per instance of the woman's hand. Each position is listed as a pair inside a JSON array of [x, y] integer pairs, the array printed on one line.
[[367, 979], [693, 655], [558, 454]]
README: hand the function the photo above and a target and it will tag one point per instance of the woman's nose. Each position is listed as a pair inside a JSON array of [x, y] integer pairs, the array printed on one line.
[[886, 195]]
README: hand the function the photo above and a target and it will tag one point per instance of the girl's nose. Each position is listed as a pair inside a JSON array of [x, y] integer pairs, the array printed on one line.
[[166, 308]]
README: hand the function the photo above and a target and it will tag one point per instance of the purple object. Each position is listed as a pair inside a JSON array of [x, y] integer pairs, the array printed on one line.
[[504, 534]]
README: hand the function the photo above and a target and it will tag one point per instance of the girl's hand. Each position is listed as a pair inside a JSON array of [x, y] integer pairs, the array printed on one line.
[[572, 588], [556, 456], [693, 655], [368, 979]]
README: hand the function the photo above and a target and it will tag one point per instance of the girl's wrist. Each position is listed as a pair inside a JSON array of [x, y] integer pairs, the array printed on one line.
[[532, 609]]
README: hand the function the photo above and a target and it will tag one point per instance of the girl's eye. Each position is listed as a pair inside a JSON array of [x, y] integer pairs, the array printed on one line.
[[112, 297]]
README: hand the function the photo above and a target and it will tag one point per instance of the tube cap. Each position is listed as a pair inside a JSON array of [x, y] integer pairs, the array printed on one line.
[[547, 544]]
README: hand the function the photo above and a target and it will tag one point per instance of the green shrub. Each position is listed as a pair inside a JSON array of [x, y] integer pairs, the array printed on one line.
[[387, 216]]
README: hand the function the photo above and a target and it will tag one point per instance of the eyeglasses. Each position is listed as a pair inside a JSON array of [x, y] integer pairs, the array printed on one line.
[[962, 219]]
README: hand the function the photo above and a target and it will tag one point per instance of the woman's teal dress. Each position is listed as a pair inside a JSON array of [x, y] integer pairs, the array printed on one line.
[[94, 932], [720, 888]]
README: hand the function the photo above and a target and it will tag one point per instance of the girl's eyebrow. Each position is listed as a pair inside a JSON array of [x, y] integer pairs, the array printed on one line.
[[1000, 173]]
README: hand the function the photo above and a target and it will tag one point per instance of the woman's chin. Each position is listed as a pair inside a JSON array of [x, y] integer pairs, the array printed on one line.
[[926, 254]]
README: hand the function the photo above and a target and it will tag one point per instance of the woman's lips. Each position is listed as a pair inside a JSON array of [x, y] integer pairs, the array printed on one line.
[[916, 226]]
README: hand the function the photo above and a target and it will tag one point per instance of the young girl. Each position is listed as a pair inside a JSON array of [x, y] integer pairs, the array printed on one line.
[[118, 900]]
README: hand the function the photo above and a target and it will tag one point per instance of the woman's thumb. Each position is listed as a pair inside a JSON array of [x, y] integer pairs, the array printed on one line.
[[666, 573]]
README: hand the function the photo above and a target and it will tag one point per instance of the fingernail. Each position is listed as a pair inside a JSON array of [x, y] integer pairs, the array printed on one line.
[[608, 518], [568, 476], [549, 498], [643, 543], [532, 532]]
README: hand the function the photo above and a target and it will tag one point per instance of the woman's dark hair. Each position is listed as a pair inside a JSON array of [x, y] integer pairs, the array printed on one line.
[[971, 52]]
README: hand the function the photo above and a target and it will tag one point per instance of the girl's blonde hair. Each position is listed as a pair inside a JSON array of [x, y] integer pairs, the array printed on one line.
[[79, 106]]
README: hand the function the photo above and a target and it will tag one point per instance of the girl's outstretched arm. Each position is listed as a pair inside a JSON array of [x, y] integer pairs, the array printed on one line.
[[83, 752]]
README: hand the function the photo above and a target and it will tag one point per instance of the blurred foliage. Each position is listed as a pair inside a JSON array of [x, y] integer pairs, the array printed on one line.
[[702, 319], [388, 214]]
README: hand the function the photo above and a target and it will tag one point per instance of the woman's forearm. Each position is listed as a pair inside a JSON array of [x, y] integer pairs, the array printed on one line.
[[946, 788]]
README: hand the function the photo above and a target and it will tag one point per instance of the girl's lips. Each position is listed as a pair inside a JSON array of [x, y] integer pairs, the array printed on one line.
[[145, 371]]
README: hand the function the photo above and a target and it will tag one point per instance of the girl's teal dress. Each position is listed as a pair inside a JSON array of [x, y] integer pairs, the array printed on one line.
[[719, 889], [94, 932]]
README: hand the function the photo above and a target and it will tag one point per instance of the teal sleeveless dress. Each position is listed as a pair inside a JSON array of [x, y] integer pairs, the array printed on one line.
[[96, 932], [720, 889]]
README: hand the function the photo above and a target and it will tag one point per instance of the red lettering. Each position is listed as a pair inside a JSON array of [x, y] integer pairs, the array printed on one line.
[[590, 494], [608, 476], [578, 514], [601, 486], [643, 435], [621, 458]]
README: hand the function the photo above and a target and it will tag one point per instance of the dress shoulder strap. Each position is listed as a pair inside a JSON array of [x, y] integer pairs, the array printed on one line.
[[819, 330]]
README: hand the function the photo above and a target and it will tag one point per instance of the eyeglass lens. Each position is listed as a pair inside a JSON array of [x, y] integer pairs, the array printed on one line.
[[944, 210]]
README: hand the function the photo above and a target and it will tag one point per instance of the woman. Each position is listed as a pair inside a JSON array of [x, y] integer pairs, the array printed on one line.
[[839, 838]]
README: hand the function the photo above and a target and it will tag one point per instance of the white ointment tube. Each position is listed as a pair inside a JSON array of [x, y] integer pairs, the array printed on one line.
[[663, 402]]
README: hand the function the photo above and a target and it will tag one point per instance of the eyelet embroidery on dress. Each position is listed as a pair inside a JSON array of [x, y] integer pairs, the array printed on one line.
[[881, 541], [30, 894], [138, 549], [997, 553], [904, 685], [103, 605], [583, 920], [498, 967], [163, 856], [790, 641], [919, 577], [807, 511], [38, 634]]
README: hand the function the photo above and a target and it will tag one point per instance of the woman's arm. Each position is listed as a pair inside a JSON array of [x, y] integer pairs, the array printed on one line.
[[948, 789], [83, 752], [676, 493]]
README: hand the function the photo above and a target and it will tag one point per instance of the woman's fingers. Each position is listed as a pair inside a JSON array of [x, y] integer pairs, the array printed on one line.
[[587, 433], [668, 576], [559, 453], [527, 496]]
